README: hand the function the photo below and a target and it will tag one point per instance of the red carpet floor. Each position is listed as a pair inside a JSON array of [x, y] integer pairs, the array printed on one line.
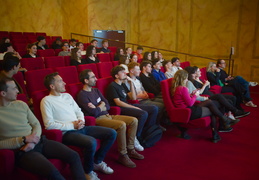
[[235, 157]]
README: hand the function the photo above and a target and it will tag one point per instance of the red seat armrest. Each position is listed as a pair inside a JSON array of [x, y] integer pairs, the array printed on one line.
[[89, 121], [115, 110], [53, 134]]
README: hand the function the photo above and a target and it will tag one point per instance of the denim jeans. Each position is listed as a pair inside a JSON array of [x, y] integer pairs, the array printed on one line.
[[86, 138], [146, 116], [36, 161], [245, 84]]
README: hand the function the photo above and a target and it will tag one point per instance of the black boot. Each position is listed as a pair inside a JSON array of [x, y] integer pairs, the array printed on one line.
[[184, 133], [215, 137]]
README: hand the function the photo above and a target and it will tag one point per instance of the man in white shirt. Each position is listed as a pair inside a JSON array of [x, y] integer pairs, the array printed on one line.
[[176, 65], [60, 111]]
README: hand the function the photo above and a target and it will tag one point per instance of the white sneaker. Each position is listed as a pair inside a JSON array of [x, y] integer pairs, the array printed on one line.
[[92, 176], [102, 167], [231, 116], [137, 145], [253, 83]]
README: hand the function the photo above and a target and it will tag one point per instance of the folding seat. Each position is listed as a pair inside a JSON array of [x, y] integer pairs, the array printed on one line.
[[32, 63], [20, 40], [68, 73], [29, 33], [40, 34], [57, 51], [67, 60], [180, 115], [65, 40], [103, 83], [203, 74], [104, 69], [112, 56], [86, 45], [46, 53], [21, 52], [15, 33], [31, 39], [20, 46], [55, 37], [20, 80], [35, 80], [54, 61], [162, 69], [22, 97], [185, 64], [104, 57], [113, 49], [4, 33], [115, 63], [92, 66]]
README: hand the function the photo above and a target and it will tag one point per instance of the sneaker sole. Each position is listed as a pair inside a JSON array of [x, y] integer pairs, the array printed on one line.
[[242, 115]]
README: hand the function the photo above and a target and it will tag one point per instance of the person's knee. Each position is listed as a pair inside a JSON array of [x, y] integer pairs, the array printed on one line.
[[121, 125]]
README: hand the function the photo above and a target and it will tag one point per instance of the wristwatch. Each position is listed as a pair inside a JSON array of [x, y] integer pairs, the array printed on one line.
[[24, 139]]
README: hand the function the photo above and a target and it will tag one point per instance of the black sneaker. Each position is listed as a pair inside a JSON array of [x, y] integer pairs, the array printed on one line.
[[240, 114], [233, 122], [226, 130]]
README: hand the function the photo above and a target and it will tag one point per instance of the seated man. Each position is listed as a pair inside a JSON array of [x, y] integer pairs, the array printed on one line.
[[159, 75], [94, 104], [65, 48], [226, 79], [60, 111], [142, 95], [41, 44], [117, 95], [105, 49], [139, 52], [72, 44], [176, 65], [21, 132], [150, 84], [167, 64], [7, 47]]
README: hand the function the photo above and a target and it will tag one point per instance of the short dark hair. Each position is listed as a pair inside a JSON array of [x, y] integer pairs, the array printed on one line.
[[3, 81], [140, 47], [10, 60], [93, 40], [190, 71], [165, 62], [63, 43], [115, 70], [84, 75], [154, 61], [219, 62], [72, 40], [123, 59], [74, 53], [78, 43], [39, 38], [174, 59], [144, 64], [5, 46], [89, 50], [49, 79]]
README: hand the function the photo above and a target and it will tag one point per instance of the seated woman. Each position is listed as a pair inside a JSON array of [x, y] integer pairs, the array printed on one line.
[[76, 57], [57, 44], [214, 75], [80, 46], [133, 58], [124, 61], [222, 101], [167, 64], [91, 55], [182, 99], [119, 52], [154, 55], [65, 48], [2, 42], [147, 56], [160, 57], [32, 51]]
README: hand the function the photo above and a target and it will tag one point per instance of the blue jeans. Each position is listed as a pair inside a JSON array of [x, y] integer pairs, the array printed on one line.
[[146, 117], [86, 138], [36, 161], [245, 84]]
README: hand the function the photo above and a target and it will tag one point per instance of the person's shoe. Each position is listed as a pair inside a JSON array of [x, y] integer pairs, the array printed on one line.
[[253, 83], [215, 137], [233, 122], [250, 104], [137, 145], [226, 122], [184, 136], [126, 161], [240, 113], [134, 154], [226, 130], [92, 176], [102, 167], [162, 128]]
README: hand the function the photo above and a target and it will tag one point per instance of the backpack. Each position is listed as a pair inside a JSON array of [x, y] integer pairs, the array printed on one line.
[[150, 136]]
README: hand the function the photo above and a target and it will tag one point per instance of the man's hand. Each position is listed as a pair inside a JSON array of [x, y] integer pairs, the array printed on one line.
[[102, 106], [129, 79], [207, 83], [217, 70], [27, 147], [90, 105], [32, 138], [79, 124]]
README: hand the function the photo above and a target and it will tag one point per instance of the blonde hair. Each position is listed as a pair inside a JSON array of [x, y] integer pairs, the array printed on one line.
[[178, 80], [209, 66]]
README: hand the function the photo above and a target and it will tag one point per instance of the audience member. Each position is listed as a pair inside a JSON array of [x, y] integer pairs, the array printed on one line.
[[57, 44], [124, 61], [60, 111], [65, 48], [139, 52], [2, 42], [167, 64], [154, 55], [31, 51], [117, 95], [80, 46], [119, 52], [105, 45], [176, 65], [7, 47], [160, 57], [21, 132], [147, 56], [76, 57], [133, 58], [94, 42], [91, 55], [72, 44], [225, 78], [128, 52], [182, 99], [157, 73], [41, 43], [94, 104]]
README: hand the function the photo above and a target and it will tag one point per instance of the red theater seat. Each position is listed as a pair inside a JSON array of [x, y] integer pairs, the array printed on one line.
[[104, 57], [32, 63], [68, 73], [54, 61], [46, 53], [92, 66], [104, 69]]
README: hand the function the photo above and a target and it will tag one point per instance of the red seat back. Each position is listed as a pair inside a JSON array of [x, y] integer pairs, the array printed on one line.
[[103, 83], [20, 80], [32, 63], [68, 73], [185, 64], [67, 60], [203, 74], [73, 89], [113, 49], [46, 53], [115, 63], [104, 69], [91, 66], [54, 61], [104, 57]]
